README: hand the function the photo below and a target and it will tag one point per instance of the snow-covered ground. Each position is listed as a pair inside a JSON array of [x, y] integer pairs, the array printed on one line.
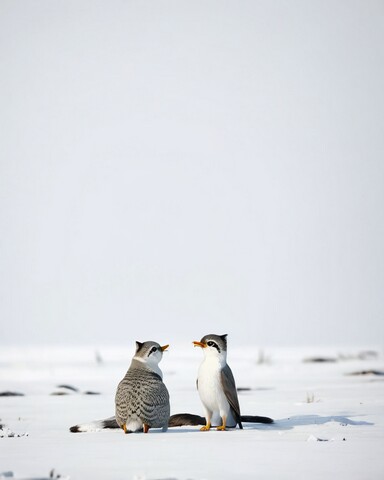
[[328, 423]]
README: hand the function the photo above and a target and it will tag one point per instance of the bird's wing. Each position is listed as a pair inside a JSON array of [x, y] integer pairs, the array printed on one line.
[[160, 394], [229, 387]]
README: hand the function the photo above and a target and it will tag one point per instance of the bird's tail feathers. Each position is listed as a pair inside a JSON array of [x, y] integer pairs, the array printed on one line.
[[177, 420], [185, 419], [95, 426], [255, 419]]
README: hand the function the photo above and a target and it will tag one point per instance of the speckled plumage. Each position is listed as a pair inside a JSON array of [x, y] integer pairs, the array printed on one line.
[[141, 397]]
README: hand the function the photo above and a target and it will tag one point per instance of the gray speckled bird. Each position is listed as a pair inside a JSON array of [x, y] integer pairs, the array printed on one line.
[[216, 384], [142, 399]]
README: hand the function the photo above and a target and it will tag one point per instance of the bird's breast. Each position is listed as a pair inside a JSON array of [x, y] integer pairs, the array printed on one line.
[[209, 384]]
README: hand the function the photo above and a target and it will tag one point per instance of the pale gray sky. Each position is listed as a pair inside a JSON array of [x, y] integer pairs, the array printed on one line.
[[175, 168]]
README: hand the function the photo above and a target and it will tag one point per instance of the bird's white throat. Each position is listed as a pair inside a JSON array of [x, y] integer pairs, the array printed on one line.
[[211, 364], [152, 365], [212, 355]]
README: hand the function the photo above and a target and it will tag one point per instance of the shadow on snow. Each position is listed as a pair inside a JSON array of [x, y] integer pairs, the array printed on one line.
[[301, 420]]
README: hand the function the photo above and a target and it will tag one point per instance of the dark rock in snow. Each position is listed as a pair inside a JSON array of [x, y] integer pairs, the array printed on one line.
[[320, 360], [5, 432], [11, 394], [68, 387], [367, 372]]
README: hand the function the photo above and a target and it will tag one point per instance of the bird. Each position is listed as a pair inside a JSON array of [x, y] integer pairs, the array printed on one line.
[[216, 385], [149, 368], [142, 399]]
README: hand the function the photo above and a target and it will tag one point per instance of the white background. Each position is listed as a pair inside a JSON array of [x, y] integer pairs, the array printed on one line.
[[174, 168]]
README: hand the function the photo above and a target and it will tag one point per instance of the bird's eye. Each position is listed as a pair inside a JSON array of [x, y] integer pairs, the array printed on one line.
[[153, 349], [210, 344]]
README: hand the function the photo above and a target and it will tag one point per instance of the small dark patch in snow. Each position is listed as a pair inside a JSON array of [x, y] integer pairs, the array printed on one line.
[[11, 394], [312, 438], [68, 387], [98, 357], [250, 389], [320, 360], [5, 432], [367, 372], [368, 355], [364, 355], [52, 474]]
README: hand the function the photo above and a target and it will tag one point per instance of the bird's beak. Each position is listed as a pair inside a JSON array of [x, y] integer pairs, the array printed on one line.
[[164, 348], [200, 344]]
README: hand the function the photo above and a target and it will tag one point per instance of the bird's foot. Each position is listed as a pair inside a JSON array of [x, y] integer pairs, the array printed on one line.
[[221, 428], [124, 427], [145, 428], [205, 428]]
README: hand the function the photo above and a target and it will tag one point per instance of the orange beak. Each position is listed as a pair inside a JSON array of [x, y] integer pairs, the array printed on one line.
[[164, 348], [199, 344]]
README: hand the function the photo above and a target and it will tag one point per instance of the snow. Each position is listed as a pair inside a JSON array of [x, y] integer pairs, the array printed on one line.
[[328, 423]]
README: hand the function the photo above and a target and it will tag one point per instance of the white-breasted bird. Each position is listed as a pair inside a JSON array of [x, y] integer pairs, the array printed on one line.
[[216, 385], [215, 382], [142, 399]]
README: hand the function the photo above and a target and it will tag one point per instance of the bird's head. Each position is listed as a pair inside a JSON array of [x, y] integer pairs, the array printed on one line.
[[213, 345], [149, 352]]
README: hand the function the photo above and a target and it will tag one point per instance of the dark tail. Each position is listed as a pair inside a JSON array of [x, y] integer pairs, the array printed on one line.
[[185, 419], [255, 419], [177, 420], [188, 419]]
